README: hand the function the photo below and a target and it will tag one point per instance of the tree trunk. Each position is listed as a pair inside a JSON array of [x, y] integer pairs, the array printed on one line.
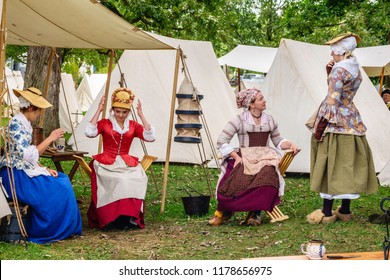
[[36, 74]]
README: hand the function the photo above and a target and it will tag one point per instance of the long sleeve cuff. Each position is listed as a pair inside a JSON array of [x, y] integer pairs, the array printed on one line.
[[31, 154], [91, 130], [226, 149], [149, 135]]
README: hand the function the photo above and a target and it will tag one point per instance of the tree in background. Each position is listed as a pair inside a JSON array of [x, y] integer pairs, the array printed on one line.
[[227, 23]]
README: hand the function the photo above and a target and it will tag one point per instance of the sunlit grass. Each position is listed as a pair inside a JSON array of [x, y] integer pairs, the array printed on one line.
[[172, 234]]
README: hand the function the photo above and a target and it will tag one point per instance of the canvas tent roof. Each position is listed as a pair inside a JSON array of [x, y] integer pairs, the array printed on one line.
[[68, 99], [258, 59], [88, 89], [80, 24], [150, 74], [295, 86], [373, 59]]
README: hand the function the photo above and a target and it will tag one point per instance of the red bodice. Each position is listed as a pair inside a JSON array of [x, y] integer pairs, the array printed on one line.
[[116, 144]]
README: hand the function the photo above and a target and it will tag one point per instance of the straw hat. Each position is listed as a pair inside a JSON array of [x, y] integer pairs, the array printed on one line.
[[122, 98], [34, 96], [343, 36]]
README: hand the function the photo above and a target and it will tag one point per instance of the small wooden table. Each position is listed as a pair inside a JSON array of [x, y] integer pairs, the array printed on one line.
[[379, 255], [58, 157]]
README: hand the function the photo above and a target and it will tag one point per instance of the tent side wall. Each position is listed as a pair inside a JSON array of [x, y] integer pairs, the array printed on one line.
[[150, 75]]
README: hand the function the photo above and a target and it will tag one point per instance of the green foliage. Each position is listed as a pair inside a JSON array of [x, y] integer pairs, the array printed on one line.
[[227, 23]]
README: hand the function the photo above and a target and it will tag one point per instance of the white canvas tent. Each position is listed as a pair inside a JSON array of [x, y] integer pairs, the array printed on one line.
[[384, 175], [69, 111], [296, 85], [88, 89], [83, 24], [150, 74], [14, 80], [258, 59], [374, 60]]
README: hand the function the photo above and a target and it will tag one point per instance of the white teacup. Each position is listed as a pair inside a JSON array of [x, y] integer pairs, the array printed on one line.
[[314, 249], [60, 145]]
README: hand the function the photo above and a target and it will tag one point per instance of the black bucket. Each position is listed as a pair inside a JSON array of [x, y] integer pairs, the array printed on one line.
[[10, 231], [196, 205]]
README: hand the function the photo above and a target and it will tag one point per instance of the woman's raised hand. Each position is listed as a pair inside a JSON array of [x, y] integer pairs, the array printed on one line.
[[329, 66], [139, 108], [57, 133], [101, 104]]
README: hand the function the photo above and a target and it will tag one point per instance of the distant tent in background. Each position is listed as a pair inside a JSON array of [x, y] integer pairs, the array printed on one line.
[[375, 61], [295, 86], [88, 89], [68, 105], [253, 58], [14, 80], [258, 59]]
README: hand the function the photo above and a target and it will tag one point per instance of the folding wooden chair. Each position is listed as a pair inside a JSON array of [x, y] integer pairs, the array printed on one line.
[[276, 215], [146, 161], [84, 165]]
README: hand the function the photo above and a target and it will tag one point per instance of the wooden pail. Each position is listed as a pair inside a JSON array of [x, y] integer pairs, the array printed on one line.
[[37, 135]]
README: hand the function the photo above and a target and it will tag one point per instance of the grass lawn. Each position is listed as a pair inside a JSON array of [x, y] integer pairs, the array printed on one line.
[[172, 235]]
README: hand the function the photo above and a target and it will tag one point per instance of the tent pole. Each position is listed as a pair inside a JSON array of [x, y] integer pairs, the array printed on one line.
[[2, 56], [2, 61], [381, 81], [238, 79], [2, 48], [112, 53], [48, 74], [173, 102]]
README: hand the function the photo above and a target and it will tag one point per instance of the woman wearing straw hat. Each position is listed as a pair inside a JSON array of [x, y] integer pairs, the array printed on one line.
[[118, 181], [250, 179], [53, 211], [341, 161]]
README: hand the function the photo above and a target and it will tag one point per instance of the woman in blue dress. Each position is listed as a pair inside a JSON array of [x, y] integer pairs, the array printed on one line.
[[53, 211]]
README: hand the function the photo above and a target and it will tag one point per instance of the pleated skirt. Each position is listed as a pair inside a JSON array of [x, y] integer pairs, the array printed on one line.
[[342, 164]]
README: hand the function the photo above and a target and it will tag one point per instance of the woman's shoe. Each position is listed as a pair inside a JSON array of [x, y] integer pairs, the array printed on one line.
[[328, 220], [318, 217], [255, 220], [342, 217], [252, 219], [315, 217], [218, 218]]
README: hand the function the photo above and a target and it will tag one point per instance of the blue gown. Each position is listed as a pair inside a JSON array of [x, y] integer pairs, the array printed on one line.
[[53, 213]]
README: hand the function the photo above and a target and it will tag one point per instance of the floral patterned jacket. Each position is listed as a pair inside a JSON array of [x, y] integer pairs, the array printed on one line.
[[338, 108], [20, 139]]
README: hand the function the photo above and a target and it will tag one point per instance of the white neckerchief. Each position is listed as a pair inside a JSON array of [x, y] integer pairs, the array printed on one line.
[[117, 127], [248, 118], [351, 65], [26, 123]]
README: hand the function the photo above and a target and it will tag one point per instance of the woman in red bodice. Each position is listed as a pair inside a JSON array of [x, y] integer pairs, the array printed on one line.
[[118, 181]]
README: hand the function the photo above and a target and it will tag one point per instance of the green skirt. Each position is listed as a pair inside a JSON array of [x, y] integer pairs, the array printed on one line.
[[342, 164]]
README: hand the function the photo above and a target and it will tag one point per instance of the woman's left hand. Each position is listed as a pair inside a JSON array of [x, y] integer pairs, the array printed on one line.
[[52, 172], [295, 148], [139, 108]]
